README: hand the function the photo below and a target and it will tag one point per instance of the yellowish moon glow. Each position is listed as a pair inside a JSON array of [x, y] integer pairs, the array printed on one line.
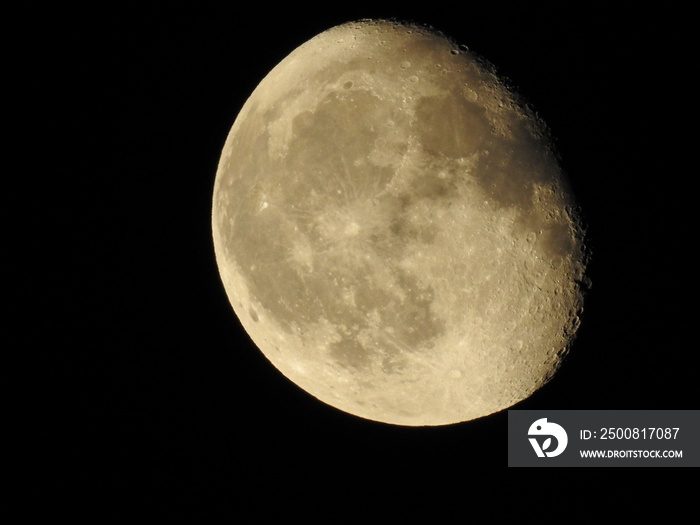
[[393, 230]]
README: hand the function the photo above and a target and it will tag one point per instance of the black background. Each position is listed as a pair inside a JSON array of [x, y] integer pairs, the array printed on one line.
[[165, 392]]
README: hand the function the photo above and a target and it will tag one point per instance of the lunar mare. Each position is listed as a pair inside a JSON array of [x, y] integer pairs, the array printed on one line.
[[393, 230]]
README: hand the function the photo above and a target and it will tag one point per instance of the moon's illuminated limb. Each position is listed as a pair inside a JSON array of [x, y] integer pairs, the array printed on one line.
[[393, 230]]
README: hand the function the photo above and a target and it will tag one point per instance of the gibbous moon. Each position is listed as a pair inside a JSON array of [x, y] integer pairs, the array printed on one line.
[[394, 231]]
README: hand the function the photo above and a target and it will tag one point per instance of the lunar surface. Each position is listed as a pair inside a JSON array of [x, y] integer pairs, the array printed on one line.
[[394, 231]]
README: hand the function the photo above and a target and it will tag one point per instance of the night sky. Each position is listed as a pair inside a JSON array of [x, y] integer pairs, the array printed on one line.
[[165, 390]]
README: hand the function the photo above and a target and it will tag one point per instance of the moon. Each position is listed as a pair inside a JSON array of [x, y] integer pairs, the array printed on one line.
[[394, 230]]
